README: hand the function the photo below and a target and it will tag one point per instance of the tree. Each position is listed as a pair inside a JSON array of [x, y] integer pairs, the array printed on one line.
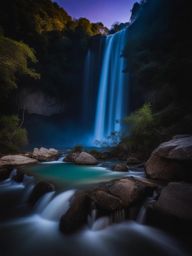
[[99, 28], [144, 132], [12, 136], [84, 27], [14, 59]]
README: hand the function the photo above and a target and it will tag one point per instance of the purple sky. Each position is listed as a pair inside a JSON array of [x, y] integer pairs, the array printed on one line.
[[106, 11]]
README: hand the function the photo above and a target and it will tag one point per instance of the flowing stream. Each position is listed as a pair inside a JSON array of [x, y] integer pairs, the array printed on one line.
[[25, 231]]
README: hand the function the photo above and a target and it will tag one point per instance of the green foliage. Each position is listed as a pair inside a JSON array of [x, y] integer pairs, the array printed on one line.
[[12, 137], [86, 28], [144, 133], [14, 58], [59, 41], [140, 119], [99, 28], [29, 17]]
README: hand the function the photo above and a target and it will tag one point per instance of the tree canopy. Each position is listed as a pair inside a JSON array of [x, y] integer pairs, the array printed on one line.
[[38, 39], [14, 58], [14, 62]]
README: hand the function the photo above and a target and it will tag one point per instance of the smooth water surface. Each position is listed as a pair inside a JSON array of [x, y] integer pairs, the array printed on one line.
[[71, 174]]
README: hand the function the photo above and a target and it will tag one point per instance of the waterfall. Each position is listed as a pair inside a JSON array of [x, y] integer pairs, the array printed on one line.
[[112, 97], [105, 94], [58, 161], [29, 183], [118, 216], [13, 173], [43, 201], [101, 223], [58, 206], [88, 76], [92, 70], [92, 217], [141, 217]]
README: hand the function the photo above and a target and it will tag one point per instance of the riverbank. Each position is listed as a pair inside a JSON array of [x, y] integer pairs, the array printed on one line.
[[32, 217], [81, 200]]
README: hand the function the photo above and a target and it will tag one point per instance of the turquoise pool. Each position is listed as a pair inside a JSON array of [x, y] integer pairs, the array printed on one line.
[[70, 174]]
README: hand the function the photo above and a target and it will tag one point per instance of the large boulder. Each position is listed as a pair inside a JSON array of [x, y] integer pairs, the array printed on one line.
[[172, 160], [133, 161], [120, 167], [39, 190], [44, 154], [85, 159], [16, 160], [179, 148], [121, 193], [108, 198], [176, 199], [71, 157], [148, 183], [106, 201], [128, 191], [173, 210], [76, 217]]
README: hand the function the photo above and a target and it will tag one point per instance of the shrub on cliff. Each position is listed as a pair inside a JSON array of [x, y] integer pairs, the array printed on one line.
[[14, 63], [12, 136], [144, 133], [14, 59]]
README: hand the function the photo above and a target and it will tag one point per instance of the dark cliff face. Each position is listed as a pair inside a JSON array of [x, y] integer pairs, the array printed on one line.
[[159, 59]]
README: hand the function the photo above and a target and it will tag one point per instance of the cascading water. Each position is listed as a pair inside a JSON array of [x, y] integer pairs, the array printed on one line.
[[92, 70], [39, 229], [88, 76], [112, 93], [43, 202], [58, 161], [58, 206]]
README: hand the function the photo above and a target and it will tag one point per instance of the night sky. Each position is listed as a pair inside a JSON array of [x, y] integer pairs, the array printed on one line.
[[106, 11]]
